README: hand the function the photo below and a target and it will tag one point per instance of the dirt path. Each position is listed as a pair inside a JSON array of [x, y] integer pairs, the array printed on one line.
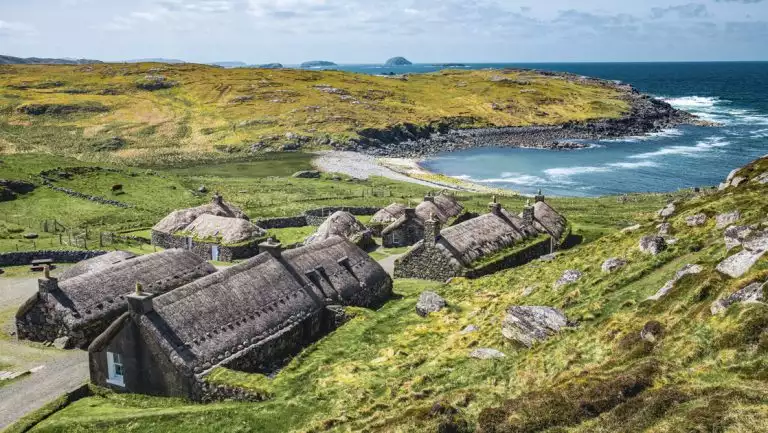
[[54, 371]]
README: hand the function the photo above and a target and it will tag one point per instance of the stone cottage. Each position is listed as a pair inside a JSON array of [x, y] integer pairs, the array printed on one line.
[[442, 206], [82, 303], [215, 231], [386, 216], [246, 318], [404, 232], [343, 224], [483, 245]]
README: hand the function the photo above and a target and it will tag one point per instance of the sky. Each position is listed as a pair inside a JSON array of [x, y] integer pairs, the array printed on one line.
[[370, 31]]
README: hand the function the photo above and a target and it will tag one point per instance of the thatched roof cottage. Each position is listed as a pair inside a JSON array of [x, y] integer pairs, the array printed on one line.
[[246, 318], [442, 206], [343, 224], [388, 215], [483, 245], [215, 231], [403, 232], [80, 304]]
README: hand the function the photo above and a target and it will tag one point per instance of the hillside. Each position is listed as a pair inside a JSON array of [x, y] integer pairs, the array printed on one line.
[[10, 60], [624, 363], [155, 113]]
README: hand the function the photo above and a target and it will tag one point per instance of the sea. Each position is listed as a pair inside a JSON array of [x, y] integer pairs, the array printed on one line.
[[733, 94]]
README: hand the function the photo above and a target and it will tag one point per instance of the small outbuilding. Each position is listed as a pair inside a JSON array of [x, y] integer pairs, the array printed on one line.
[[247, 318], [485, 244], [343, 224], [215, 231], [82, 303], [404, 232]]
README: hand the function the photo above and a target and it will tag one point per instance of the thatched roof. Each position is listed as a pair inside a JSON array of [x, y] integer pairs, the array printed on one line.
[[102, 291], [401, 222], [483, 236], [180, 219], [389, 214], [220, 317], [442, 206], [547, 220], [342, 224], [229, 230], [96, 263]]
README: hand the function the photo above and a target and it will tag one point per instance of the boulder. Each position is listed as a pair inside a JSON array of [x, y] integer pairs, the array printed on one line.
[[31, 236], [429, 302], [613, 264], [528, 291], [469, 329], [62, 343], [307, 174], [668, 211], [726, 219], [652, 332], [738, 180], [736, 235], [569, 277], [529, 325], [696, 220], [757, 242], [548, 257], [738, 264], [486, 354], [762, 179], [653, 244], [665, 229], [686, 270], [631, 229], [754, 292]]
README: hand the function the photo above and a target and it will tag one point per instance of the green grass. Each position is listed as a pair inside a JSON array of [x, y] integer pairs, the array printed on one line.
[[291, 235], [201, 117], [386, 370]]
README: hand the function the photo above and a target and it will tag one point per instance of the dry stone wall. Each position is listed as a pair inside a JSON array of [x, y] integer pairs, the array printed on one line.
[[25, 257]]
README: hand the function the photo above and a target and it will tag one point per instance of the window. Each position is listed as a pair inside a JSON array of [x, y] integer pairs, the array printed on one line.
[[394, 238], [115, 369]]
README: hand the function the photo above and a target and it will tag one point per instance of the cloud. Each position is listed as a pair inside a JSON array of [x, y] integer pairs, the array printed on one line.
[[746, 2], [15, 29], [687, 11], [164, 10]]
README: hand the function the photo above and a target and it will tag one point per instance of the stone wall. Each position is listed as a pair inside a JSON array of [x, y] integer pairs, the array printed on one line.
[[25, 257], [316, 217], [281, 223], [227, 253], [427, 264], [409, 233], [41, 322]]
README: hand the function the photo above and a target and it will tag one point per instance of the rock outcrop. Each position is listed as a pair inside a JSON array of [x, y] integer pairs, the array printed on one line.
[[307, 174], [665, 229], [755, 245], [668, 211], [726, 219], [736, 235], [530, 325], [613, 264], [755, 292], [696, 220], [569, 277], [653, 244], [484, 353], [429, 302], [686, 270]]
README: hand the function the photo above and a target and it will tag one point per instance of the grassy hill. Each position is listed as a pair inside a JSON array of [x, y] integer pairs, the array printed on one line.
[[391, 370], [154, 113]]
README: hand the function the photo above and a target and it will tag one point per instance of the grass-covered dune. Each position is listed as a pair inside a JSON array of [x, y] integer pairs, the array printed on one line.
[[152, 113], [393, 371]]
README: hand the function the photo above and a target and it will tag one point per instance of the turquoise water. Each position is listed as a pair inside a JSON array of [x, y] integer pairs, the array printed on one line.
[[734, 94]]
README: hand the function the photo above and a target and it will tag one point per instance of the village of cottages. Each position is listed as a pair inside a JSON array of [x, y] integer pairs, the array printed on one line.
[[157, 324]]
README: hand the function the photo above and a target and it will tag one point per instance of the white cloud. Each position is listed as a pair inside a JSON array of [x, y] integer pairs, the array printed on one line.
[[14, 29]]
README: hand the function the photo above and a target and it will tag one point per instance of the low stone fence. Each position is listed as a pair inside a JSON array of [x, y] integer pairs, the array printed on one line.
[[31, 420], [93, 198], [281, 223], [25, 257], [312, 217]]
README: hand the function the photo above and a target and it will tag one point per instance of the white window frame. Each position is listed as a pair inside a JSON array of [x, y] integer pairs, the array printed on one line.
[[394, 238], [115, 369]]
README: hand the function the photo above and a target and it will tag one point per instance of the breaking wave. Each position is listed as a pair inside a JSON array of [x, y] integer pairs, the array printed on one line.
[[706, 145]]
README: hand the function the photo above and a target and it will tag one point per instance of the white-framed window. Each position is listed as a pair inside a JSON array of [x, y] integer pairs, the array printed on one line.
[[394, 238], [115, 369]]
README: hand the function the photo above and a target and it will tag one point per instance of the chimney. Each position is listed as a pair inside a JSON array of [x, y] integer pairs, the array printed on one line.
[[495, 207], [528, 213], [429, 198], [272, 247], [431, 231], [217, 198], [140, 302], [47, 284], [539, 197]]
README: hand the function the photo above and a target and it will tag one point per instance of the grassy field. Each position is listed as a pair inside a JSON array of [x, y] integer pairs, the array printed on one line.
[[391, 370], [153, 113]]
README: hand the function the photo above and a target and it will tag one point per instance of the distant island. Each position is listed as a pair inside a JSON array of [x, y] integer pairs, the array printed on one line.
[[271, 66], [229, 64], [10, 60], [450, 65], [317, 63], [156, 60], [398, 61]]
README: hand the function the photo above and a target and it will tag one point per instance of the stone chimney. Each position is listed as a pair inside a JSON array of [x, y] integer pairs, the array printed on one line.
[[528, 213], [217, 199], [429, 198], [432, 229], [140, 302], [47, 284], [495, 207], [271, 246], [539, 197]]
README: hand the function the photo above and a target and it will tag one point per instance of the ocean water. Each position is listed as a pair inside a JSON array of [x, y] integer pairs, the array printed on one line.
[[734, 94]]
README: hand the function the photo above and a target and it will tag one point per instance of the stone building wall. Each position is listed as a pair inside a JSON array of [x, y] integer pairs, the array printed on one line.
[[409, 233], [42, 321], [227, 253], [316, 217], [283, 222], [427, 264]]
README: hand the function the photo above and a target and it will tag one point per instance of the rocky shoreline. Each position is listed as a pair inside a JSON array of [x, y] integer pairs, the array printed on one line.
[[647, 115]]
